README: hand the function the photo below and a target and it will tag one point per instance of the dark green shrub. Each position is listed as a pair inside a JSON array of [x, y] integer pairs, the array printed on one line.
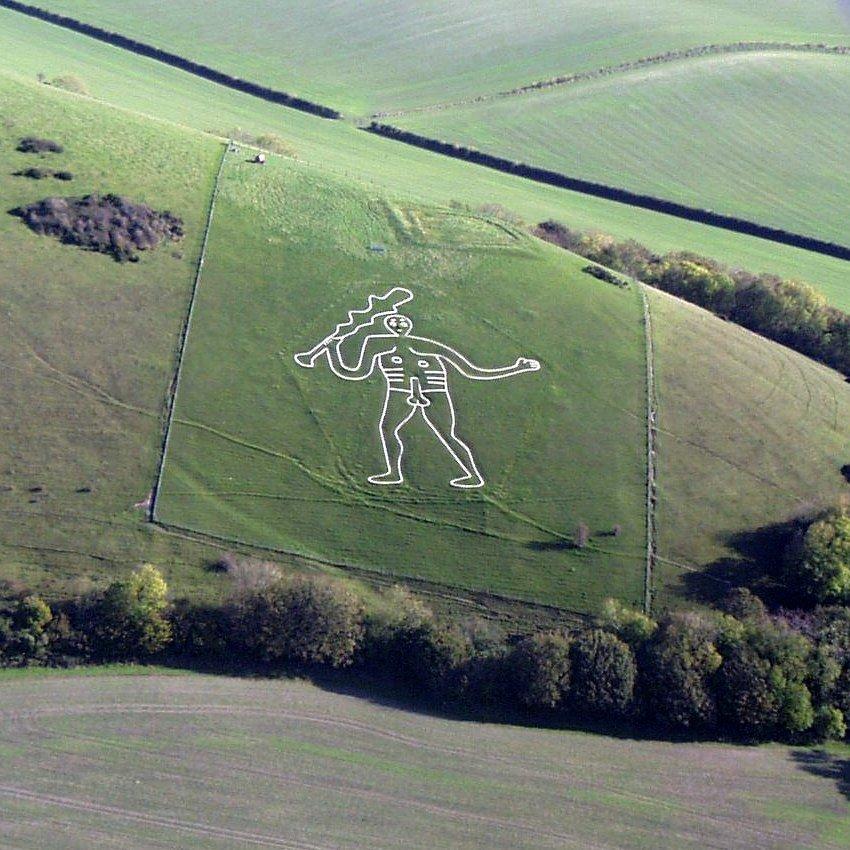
[[743, 604], [537, 670], [818, 560], [201, 631], [304, 619], [32, 144], [603, 674], [677, 668]]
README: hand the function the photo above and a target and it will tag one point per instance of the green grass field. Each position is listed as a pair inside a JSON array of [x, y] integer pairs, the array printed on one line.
[[750, 433], [267, 452], [755, 135], [89, 356], [209, 762], [371, 55], [87, 345], [29, 47]]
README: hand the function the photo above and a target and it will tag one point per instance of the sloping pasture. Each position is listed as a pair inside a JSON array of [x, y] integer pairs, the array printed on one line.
[[29, 47], [377, 55], [760, 135], [273, 454]]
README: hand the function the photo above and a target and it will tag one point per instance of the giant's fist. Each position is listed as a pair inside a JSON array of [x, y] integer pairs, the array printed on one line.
[[527, 364]]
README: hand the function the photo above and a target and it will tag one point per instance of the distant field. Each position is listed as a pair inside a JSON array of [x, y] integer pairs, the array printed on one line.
[[759, 136], [749, 433], [136, 763], [28, 47], [272, 454], [370, 55], [87, 344]]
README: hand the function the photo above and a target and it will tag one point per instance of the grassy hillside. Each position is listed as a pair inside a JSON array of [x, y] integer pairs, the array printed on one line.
[[87, 344], [378, 55], [267, 452], [208, 762], [750, 433], [28, 47], [754, 135]]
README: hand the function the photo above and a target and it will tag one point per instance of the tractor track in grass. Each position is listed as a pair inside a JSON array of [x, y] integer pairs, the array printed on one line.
[[26, 723], [153, 820]]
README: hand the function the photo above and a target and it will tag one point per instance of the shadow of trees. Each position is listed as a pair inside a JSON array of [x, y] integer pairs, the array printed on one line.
[[822, 763], [757, 564]]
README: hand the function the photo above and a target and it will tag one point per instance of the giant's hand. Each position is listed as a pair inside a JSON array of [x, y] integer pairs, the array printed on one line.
[[527, 364]]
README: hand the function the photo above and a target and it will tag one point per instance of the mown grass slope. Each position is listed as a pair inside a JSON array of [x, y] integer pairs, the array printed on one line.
[[209, 762], [265, 451], [87, 344], [378, 55], [29, 47], [755, 135], [750, 433]]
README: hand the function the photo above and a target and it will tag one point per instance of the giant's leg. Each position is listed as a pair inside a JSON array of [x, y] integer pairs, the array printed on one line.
[[440, 415], [395, 415]]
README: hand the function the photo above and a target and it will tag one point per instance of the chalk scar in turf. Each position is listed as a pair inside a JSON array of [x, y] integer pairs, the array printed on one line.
[[414, 369]]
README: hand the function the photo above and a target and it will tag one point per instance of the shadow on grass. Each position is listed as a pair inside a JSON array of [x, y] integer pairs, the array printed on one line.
[[355, 682], [822, 763], [551, 545], [756, 564]]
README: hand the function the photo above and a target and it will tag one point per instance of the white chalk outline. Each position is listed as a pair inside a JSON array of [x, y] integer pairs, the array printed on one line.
[[399, 327]]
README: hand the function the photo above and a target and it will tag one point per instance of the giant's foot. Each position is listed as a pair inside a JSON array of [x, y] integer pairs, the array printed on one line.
[[386, 478], [468, 482]]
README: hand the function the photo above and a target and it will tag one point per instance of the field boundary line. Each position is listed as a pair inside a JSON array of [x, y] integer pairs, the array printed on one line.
[[651, 452], [625, 68], [617, 194], [171, 400], [150, 52], [469, 597]]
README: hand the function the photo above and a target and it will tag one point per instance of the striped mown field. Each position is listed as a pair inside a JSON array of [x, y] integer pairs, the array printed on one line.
[[377, 55], [757, 135], [143, 762]]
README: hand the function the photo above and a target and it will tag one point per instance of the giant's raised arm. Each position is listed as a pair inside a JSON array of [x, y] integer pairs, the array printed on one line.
[[478, 373], [370, 351]]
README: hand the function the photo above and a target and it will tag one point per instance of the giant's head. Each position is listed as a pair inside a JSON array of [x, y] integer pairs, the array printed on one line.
[[398, 325]]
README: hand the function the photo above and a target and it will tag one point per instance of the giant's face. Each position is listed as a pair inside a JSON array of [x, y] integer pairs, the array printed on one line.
[[398, 325]]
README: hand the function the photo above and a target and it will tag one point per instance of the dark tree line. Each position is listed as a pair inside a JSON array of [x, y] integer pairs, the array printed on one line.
[[737, 672], [788, 311], [196, 68]]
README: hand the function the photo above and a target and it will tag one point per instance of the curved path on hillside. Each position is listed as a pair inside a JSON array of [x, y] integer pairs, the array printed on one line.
[[625, 67]]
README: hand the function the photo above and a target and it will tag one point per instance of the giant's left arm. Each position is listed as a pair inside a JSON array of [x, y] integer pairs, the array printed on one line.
[[477, 373]]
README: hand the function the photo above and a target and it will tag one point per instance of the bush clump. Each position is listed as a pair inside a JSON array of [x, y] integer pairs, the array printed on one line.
[[818, 560], [32, 144], [108, 224], [305, 620], [33, 173]]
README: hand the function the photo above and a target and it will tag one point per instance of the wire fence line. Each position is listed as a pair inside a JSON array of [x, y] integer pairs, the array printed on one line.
[[651, 453], [174, 388]]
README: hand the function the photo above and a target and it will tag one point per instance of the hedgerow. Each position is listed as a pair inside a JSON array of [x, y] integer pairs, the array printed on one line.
[[788, 311], [754, 676]]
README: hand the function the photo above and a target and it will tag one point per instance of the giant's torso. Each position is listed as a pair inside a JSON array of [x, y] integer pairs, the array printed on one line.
[[402, 364]]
